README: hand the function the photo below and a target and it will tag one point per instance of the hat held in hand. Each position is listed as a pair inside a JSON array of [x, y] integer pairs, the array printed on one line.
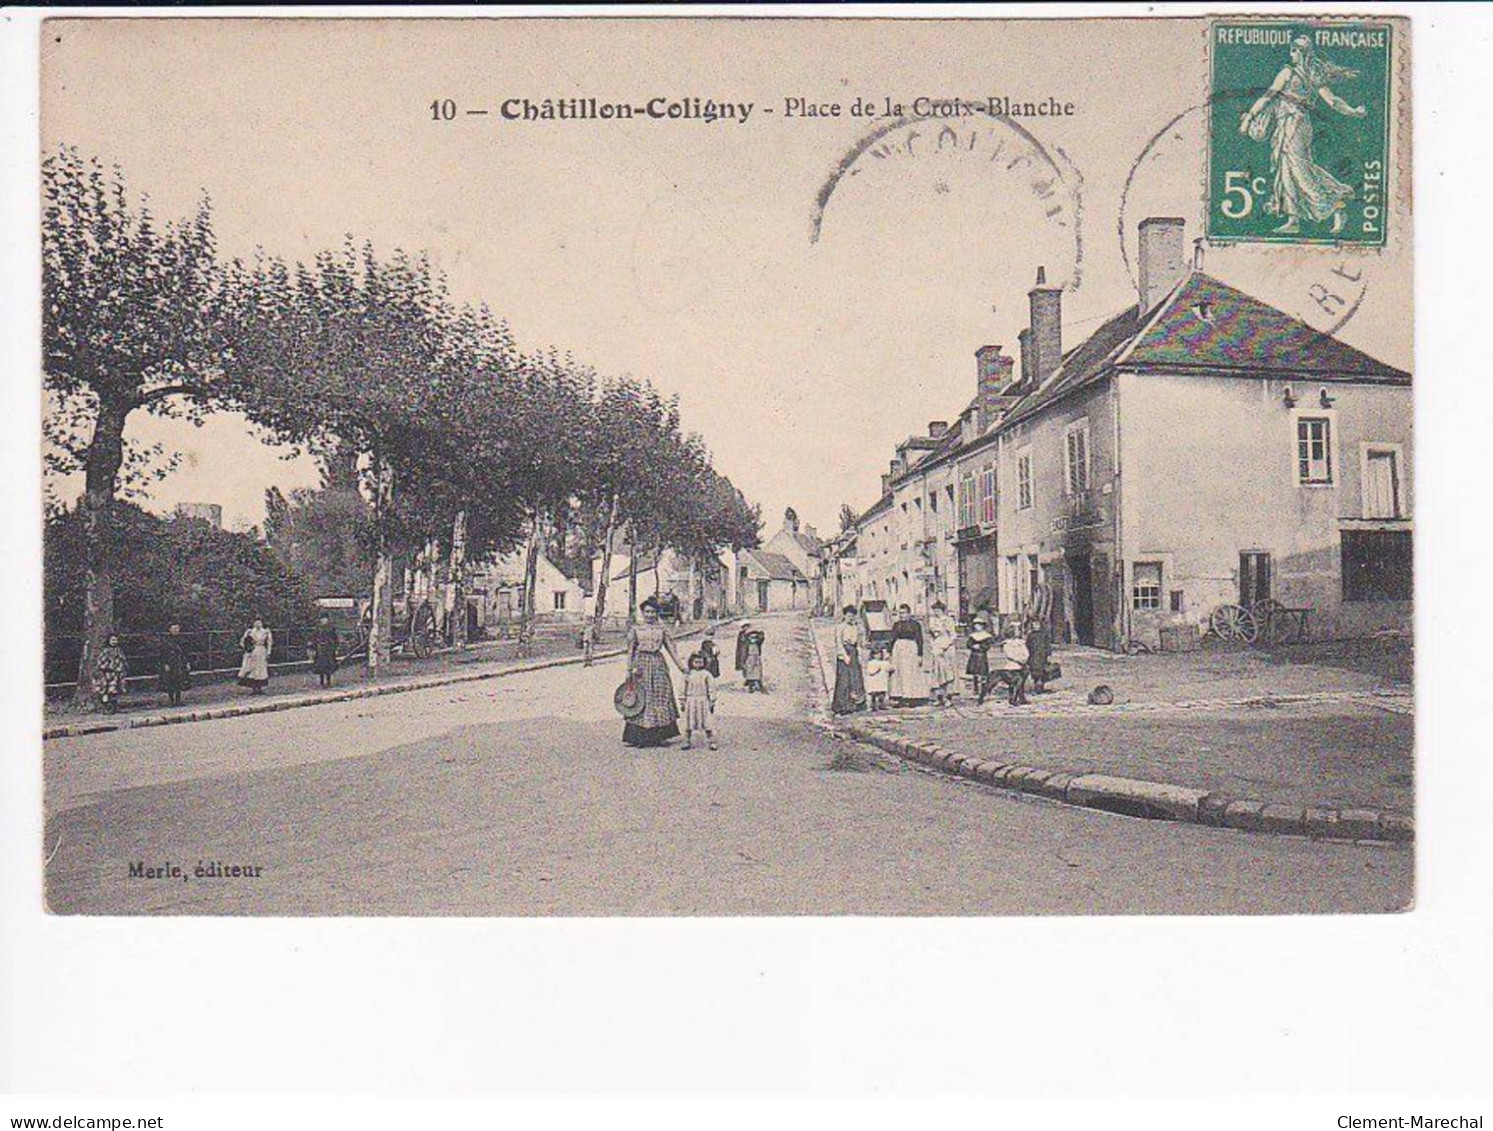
[[628, 698]]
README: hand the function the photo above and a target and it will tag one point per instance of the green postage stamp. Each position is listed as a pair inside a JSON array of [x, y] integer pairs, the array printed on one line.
[[1298, 140]]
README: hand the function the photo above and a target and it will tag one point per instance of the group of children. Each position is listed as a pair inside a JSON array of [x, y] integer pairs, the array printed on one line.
[[1022, 655]]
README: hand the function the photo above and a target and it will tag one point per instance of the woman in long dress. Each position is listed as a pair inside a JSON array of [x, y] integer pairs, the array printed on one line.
[[944, 640], [1301, 188], [649, 648], [909, 679], [850, 682], [257, 643]]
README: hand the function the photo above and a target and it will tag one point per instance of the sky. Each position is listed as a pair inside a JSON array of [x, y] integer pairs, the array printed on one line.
[[813, 288]]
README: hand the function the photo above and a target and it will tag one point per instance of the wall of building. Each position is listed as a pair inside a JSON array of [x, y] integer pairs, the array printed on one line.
[[1209, 471], [1061, 530]]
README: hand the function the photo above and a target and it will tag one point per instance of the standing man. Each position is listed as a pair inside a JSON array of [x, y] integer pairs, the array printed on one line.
[[324, 650], [174, 666]]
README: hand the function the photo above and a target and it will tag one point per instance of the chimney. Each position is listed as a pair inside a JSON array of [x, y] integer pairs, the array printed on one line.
[[886, 483], [1046, 343], [994, 387], [1024, 343], [936, 428], [1163, 260]]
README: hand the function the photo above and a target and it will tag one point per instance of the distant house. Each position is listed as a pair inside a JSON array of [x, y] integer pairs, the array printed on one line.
[[497, 590], [210, 513], [770, 582], [699, 581], [803, 547]]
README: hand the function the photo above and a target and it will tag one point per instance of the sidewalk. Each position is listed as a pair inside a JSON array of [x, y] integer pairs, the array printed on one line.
[[1217, 737], [488, 660]]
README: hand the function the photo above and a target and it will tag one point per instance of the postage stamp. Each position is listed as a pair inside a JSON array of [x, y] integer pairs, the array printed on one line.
[[1298, 143]]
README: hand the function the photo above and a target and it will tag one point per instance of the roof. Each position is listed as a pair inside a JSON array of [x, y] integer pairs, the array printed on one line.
[[775, 566], [1209, 325], [812, 544]]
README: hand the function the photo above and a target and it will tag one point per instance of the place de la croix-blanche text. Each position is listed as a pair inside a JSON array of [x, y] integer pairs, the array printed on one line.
[[710, 111]]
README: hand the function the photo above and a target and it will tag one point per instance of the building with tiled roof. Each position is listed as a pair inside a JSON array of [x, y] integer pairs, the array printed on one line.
[[1199, 449]]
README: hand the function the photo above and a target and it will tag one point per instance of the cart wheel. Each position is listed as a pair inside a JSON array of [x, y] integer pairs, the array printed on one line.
[[1275, 623], [1233, 622]]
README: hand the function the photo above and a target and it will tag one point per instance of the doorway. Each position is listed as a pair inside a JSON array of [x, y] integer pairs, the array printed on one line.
[[1081, 575], [1254, 577], [762, 592]]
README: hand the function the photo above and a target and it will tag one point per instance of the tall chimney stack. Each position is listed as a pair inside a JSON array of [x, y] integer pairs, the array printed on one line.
[[1163, 259], [1024, 346], [1046, 344], [994, 389]]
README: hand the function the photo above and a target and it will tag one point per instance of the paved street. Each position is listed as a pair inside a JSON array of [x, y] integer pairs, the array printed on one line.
[[516, 797]]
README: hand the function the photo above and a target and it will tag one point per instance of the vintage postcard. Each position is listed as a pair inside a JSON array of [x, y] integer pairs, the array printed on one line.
[[727, 466]]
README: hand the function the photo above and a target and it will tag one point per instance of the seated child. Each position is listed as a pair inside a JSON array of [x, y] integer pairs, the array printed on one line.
[[878, 678]]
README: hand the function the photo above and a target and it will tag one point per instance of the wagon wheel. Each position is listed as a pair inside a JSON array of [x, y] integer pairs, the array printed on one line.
[[1274, 620], [1232, 622]]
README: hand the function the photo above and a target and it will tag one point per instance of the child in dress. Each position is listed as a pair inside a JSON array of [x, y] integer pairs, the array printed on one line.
[[699, 701], [878, 678]]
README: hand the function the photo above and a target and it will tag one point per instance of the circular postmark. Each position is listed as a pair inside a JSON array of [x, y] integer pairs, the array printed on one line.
[[1322, 285], [983, 178]]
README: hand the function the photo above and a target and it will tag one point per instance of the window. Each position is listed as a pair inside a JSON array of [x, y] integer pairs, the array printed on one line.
[[1381, 483], [559, 600], [1145, 587], [987, 494], [1024, 480], [1377, 565], [967, 499], [1314, 449], [1076, 440]]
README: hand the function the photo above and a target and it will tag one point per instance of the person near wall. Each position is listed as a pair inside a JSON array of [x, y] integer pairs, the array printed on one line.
[[909, 648], [650, 648], [588, 643], [943, 635], [257, 643], [175, 669], [324, 650], [113, 670], [741, 635], [850, 682]]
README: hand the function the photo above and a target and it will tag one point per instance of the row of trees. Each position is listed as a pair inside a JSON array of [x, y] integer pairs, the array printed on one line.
[[453, 436]]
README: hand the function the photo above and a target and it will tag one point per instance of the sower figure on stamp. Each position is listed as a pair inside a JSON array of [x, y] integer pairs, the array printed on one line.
[[175, 668], [1302, 189]]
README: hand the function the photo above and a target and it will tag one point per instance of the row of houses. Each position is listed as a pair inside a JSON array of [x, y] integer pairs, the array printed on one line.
[[1200, 448], [783, 574]]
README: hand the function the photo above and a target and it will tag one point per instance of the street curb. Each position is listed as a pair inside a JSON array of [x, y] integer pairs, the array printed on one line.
[[75, 730], [1157, 800]]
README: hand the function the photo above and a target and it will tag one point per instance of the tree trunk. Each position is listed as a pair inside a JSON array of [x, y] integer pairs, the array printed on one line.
[[105, 457], [457, 581], [632, 577], [606, 565], [531, 571], [380, 640]]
